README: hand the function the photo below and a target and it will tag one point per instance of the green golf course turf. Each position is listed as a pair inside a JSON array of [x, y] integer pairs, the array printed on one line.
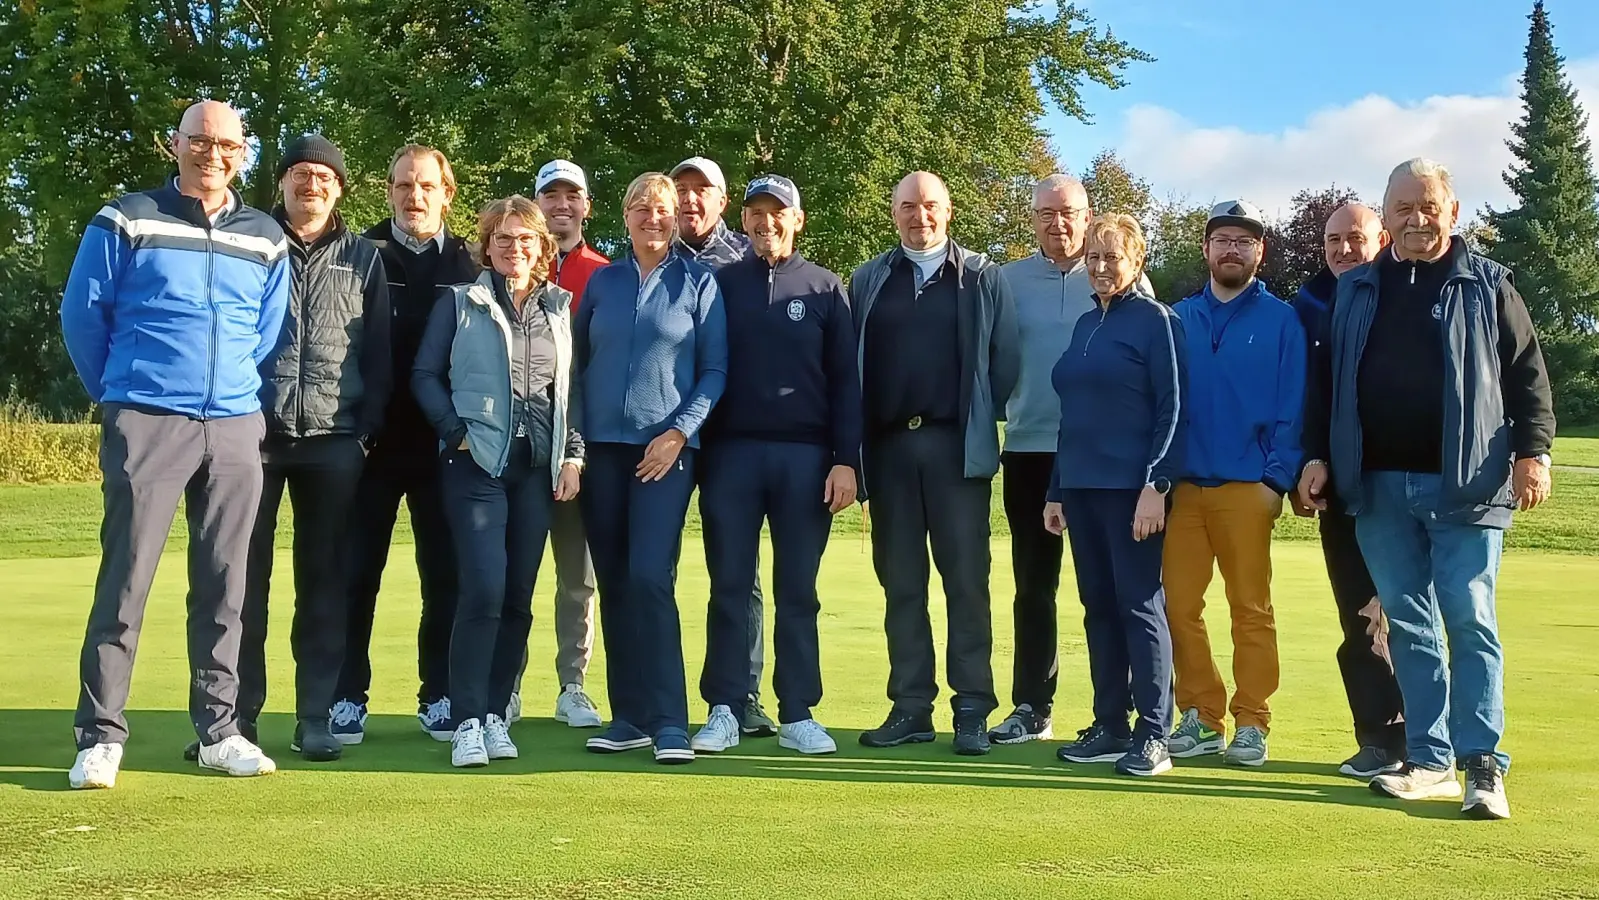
[[393, 820]]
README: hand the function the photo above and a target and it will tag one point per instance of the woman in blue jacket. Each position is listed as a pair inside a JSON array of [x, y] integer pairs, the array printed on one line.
[[1120, 384], [651, 348], [493, 376]]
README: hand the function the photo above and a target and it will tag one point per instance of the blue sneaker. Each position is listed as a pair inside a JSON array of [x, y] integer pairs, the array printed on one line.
[[347, 719], [621, 737], [436, 721], [672, 747]]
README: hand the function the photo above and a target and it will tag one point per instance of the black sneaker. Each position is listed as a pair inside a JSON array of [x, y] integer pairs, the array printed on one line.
[[755, 722], [314, 741], [900, 728], [1023, 725], [971, 734], [1485, 789], [191, 753], [1371, 762], [1148, 757], [1095, 744]]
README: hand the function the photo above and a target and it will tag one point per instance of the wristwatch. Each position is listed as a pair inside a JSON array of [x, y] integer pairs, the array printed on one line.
[[1162, 486]]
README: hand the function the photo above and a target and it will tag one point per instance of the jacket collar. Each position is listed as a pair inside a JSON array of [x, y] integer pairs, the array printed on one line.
[[489, 288], [1321, 287], [1255, 289], [1458, 259], [1048, 263], [785, 265], [717, 236], [336, 228], [190, 209]]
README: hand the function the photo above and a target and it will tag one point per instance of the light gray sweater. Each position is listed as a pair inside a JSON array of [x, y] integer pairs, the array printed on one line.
[[1048, 304]]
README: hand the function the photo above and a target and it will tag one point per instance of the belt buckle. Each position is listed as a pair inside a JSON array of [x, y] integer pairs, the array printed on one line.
[[914, 423]]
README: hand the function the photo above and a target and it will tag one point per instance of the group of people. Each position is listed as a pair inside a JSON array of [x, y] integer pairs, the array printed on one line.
[[520, 386]]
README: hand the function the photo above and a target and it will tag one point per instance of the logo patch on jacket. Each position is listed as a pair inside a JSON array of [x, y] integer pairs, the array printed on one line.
[[796, 309]]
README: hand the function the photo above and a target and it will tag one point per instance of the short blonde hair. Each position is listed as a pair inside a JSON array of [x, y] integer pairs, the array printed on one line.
[[650, 186], [494, 214], [410, 150], [1121, 228]]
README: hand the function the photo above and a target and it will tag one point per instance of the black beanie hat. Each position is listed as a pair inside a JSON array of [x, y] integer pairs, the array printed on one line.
[[313, 148]]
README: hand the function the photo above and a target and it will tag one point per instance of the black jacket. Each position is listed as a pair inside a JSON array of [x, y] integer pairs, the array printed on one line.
[[330, 372]]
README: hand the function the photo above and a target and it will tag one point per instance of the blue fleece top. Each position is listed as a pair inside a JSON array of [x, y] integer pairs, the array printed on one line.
[[168, 310], [650, 356], [1123, 406], [791, 357], [1246, 388]]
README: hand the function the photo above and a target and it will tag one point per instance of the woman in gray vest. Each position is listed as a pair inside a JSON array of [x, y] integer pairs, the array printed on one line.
[[492, 376]]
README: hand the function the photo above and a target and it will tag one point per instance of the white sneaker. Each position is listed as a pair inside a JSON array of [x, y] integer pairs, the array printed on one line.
[[1485, 789], [720, 732], [435, 720], [497, 738], [1413, 782], [236, 756], [96, 767], [576, 709], [807, 737], [513, 710], [466, 746]]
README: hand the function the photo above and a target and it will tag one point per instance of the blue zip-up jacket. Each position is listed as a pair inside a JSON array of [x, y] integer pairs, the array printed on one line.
[[790, 357], [164, 309], [1123, 400], [1246, 388], [649, 357]]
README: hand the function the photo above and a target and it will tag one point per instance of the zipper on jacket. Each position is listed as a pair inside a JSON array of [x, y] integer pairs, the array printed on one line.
[[1090, 342], [211, 308], [299, 343]]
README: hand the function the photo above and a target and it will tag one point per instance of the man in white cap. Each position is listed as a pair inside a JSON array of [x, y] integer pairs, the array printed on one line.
[[706, 239]]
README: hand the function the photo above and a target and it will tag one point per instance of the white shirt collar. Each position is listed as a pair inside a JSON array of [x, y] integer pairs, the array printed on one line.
[[414, 244]]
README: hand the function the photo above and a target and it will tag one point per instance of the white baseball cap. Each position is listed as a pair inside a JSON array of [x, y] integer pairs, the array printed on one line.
[[711, 171], [560, 170]]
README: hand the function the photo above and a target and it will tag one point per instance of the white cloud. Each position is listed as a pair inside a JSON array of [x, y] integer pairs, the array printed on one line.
[[1354, 145]]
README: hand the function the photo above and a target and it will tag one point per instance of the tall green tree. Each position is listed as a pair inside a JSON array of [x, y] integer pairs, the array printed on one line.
[[1551, 239], [1113, 188]]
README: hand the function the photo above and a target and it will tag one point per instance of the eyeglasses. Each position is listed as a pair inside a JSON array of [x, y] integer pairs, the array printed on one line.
[[1067, 214], [1243, 243], [306, 176], [526, 240], [201, 144]]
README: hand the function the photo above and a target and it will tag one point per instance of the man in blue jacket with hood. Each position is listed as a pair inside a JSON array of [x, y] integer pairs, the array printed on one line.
[[1246, 392], [174, 301]]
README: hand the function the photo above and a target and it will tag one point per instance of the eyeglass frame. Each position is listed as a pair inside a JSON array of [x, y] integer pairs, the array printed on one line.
[[228, 149]]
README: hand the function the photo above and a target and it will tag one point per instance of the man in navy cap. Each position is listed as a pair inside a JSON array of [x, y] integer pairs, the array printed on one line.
[[782, 446]]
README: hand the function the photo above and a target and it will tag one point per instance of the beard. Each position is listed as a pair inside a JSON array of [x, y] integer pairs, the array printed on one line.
[[1233, 278]]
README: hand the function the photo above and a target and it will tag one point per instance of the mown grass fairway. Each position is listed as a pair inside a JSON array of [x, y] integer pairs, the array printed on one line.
[[393, 820]]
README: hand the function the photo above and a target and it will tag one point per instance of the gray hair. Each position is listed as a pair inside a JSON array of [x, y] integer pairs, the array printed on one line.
[[1056, 182], [1420, 168]]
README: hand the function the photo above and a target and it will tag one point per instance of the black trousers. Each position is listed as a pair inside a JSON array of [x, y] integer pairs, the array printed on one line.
[[500, 525], [1035, 557], [1363, 659], [746, 483], [321, 474], [391, 475], [919, 494]]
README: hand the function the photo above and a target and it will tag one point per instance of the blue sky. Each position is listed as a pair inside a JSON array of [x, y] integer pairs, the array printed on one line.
[[1258, 99]]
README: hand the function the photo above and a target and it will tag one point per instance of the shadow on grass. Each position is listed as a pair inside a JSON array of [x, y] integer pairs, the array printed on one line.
[[36, 750]]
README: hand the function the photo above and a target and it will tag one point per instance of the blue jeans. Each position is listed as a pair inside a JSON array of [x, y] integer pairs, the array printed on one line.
[[1435, 578]]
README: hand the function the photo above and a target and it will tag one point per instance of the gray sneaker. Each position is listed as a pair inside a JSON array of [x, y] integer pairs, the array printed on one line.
[[1485, 789], [1193, 738], [1247, 749]]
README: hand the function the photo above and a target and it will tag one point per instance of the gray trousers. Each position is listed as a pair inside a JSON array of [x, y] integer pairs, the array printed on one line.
[[150, 461], [919, 494], [574, 596]]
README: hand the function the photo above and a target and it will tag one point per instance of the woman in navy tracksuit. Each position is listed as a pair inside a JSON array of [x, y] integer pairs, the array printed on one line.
[[1121, 437], [651, 347]]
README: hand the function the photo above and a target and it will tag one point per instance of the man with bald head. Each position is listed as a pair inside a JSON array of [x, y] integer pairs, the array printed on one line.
[[1354, 236], [174, 302], [1430, 420], [939, 358]]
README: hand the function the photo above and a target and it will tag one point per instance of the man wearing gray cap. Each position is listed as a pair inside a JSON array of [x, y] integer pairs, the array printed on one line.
[[782, 446], [703, 237], [1246, 394]]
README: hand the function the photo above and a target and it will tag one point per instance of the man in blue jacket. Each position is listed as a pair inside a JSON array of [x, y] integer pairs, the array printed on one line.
[[938, 355], [783, 446], [1246, 391], [174, 301]]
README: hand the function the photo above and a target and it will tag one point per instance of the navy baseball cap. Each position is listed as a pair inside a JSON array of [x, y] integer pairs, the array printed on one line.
[[775, 186]]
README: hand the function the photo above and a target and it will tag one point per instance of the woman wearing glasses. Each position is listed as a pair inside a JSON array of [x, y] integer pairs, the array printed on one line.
[[1122, 420], [493, 378], [651, 347]]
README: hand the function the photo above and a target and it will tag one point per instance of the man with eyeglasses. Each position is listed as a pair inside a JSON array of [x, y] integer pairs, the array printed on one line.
[[174, 301], [421, 258], [1246, 391], [1052, 293], [324, 394], [1354, 236]]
